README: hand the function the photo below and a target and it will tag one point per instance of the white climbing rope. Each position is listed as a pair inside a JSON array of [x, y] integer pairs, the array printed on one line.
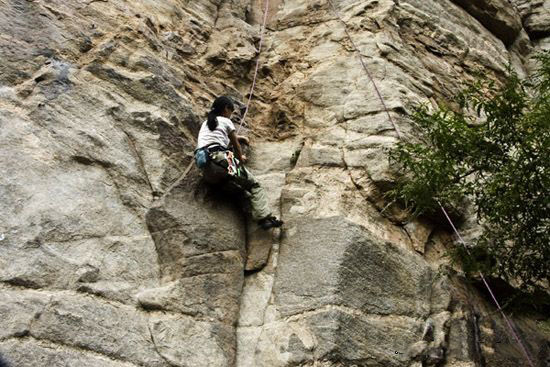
[[251, 93]]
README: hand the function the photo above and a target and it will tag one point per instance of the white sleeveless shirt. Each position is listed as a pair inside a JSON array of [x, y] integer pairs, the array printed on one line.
[[219, 136]]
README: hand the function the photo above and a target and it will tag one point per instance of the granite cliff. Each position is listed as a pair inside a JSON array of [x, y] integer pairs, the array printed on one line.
[[113, 252]]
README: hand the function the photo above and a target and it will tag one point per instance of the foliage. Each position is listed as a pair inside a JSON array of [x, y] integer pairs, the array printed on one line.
[[496, 152]]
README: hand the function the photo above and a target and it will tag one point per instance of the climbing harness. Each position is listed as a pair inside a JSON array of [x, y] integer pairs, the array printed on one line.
[[233, 166], [203, 160], [356, 49], [251, 93], [203, 156]]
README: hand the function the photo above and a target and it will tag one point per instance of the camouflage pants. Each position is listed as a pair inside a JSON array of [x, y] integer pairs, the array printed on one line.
[[243, 181]]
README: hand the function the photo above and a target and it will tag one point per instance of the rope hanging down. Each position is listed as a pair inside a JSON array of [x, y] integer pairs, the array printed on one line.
[[266, 10], [251, 93], [367, 71], [508, 322]]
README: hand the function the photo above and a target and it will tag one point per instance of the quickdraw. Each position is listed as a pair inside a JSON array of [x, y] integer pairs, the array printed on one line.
[[233, 166]]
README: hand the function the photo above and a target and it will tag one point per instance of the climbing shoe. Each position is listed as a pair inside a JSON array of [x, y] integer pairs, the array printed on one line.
[[270, 222]]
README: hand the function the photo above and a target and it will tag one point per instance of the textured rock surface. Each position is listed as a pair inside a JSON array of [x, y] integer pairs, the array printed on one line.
[[114, 253], [497, 16], [536, 16]]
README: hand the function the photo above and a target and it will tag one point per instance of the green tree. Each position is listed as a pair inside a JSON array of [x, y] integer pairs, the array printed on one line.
[[496, 152]]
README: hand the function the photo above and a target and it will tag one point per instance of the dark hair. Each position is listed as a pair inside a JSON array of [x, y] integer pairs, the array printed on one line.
[[217, 109]]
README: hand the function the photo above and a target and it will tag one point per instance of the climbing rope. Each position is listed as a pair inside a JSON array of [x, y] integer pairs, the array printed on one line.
[[188, 169], [371, 78], [251, 93], [367, 71], [508, 322], [356, 49], [264, 23]]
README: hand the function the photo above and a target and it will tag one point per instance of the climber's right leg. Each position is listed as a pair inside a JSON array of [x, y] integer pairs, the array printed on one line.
[[217, 173], [259, 207]]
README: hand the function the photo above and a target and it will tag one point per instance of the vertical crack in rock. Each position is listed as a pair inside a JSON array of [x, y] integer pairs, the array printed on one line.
[[406, 232], [257, 308], [256, 299], [270, 303], [478, 352], [155, 347], [158, 261], [139, 160], [218, 11]]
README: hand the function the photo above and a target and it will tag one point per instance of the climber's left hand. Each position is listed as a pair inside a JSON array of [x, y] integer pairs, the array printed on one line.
[[243, 140]]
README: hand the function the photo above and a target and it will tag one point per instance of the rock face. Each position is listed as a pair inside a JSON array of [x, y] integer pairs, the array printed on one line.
[[536, 18], [497, 16], [113, 252]]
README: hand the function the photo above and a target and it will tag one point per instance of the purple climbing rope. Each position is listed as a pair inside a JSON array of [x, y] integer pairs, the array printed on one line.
[[251, 93], [367, 71], [356, 49], [508, 322]]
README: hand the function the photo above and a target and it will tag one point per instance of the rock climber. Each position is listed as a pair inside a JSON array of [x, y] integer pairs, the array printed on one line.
[[220, 166]]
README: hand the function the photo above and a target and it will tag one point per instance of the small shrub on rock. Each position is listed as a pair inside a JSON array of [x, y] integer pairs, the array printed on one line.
[[494, 151]]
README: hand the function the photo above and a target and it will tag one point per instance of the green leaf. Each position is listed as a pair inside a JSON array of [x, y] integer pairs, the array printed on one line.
[[500, 162]]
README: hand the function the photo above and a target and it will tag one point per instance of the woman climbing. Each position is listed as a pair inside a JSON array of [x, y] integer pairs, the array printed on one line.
[[219, 165]]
